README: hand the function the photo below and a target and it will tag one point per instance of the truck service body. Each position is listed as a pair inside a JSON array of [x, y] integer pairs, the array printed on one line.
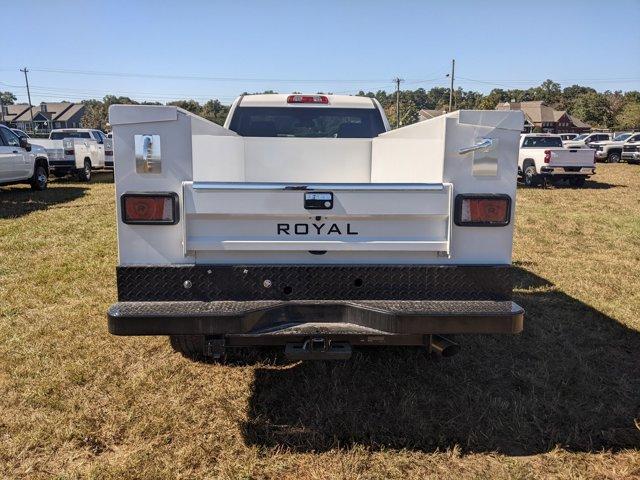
[[304, 222], [78, 151]]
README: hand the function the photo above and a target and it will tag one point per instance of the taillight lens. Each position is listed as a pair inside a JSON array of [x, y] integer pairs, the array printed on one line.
[[480, 210], [108, 153], [547, 156], [150, 208], [69, 152], [322, 99]]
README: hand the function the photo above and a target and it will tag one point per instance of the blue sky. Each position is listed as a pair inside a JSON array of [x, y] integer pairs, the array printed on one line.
[[191, 49]]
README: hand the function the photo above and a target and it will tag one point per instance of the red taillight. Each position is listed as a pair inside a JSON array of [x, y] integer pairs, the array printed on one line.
[[69, 152], [547, 156], [308, 99], [150, 208], [479, 210]]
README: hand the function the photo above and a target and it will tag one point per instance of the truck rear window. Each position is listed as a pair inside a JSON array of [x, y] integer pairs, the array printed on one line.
[[63, 135], [307, 122], [542, 142]]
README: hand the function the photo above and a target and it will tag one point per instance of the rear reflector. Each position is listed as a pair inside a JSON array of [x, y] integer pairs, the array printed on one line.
[[480, 210], [150, 208], [307, 99]]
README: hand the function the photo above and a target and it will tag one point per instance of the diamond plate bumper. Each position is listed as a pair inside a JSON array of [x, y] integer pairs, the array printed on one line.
[[280, 321]]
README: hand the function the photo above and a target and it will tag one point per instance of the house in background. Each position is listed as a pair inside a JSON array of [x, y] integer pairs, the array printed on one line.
[[539, 115], [10, 112], [47, 116], [427, 114]]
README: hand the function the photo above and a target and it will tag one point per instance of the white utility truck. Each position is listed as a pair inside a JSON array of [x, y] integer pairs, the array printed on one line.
[[542, 158], [20, 162], [305, 223], [78, 151]]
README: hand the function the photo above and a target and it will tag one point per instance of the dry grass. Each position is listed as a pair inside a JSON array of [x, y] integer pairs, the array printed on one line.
[[560, 400]]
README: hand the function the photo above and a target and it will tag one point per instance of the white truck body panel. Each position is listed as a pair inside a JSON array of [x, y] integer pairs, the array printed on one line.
[[395, 190], [83, 148]]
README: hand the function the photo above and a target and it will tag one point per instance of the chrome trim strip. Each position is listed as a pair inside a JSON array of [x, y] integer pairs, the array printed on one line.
[[378, 187]]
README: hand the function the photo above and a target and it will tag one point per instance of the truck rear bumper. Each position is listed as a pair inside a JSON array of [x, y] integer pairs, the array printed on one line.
[[278, 322], [567, 171], [390, 304]]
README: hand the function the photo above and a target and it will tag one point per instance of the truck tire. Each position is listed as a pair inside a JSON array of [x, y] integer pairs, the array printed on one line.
[[530, 176], [189, 346], [84, 175], [613, 157], [40, 177], [577, 181]]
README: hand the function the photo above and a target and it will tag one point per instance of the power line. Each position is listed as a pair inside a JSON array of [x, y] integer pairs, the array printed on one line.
[[202, 77]]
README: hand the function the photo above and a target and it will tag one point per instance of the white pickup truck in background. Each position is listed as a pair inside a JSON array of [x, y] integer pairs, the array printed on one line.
[[542, 158], [78, 151], [306, 223]]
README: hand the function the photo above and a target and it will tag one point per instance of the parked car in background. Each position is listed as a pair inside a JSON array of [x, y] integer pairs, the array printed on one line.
[[611, 151], [78, 151], [542, 158], [631, 151], [20, 162], [568, 136], [585, 140]]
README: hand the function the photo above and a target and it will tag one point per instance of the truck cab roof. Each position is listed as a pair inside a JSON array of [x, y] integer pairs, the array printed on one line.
[[285, 100], [307, 116]]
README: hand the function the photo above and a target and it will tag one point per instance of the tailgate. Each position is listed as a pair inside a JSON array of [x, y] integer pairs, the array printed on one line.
[[575, 157], [274, 217]]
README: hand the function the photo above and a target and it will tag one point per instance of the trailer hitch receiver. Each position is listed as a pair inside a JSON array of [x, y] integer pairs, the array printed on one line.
[[318, 348]]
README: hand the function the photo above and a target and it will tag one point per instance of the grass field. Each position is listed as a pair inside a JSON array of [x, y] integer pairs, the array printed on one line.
[[560, 400]]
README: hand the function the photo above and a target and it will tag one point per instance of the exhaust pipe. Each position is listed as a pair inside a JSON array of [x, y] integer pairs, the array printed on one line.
[[443, 347]]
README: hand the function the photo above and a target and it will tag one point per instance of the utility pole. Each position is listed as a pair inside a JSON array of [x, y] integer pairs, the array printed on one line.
[[397, 81], [2, 107], [453, 71], [26, 79]]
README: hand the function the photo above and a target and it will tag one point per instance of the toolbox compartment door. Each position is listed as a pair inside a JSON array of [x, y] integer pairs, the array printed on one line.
[[274, 217]]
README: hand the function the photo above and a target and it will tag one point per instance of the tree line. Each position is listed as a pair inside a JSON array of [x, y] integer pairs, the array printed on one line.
[[615, 110]]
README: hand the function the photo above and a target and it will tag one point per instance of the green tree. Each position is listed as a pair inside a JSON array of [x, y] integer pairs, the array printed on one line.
[[629, 117], [594, 109], [8, 98], [188, 105], [214, 110], [549, 92]]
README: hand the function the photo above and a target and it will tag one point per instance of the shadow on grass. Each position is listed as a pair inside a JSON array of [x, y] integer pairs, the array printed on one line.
[[97, 176], [571, 378], [588, 185], [18, 201]]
